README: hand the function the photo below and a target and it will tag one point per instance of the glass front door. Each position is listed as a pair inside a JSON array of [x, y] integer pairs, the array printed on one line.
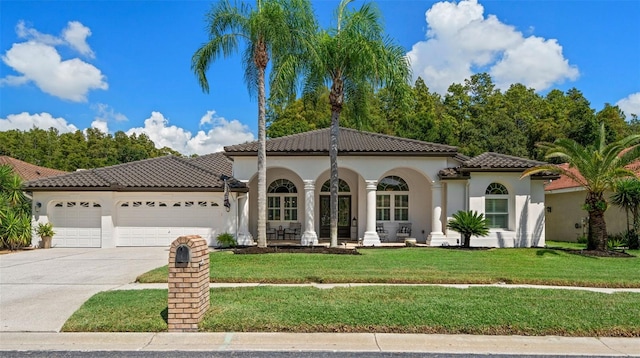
[[344, 216]]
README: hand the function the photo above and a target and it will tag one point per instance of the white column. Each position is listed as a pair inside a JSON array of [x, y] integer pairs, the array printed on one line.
[[436, 203], [243, 236], [309, 237], [371, 237]]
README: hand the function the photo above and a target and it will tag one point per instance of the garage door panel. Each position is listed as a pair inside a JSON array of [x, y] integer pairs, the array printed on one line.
[[159, 223], [76, 224]]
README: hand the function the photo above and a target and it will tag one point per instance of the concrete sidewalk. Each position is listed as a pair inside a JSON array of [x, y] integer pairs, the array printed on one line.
[[338, 342]]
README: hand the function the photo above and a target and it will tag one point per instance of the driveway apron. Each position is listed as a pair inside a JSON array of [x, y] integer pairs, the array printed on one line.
[[40, 289]]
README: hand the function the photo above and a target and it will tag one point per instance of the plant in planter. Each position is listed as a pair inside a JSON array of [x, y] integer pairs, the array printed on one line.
[[45, 231], [226, 240]]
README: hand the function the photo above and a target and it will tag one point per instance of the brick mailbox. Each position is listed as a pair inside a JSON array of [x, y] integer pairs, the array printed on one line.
[[188, 283]]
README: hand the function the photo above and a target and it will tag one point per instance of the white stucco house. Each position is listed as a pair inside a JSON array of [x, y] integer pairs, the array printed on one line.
[[385, 181]]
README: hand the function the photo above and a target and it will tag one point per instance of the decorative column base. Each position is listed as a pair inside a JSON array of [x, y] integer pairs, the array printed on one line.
[[245, 239], [371, 238], [309, 238]]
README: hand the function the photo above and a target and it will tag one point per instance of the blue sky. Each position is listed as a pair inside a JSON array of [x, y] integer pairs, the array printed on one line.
[[125, 65]]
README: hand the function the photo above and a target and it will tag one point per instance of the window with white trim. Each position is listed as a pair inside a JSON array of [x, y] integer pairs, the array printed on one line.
[[392, 199], [496, 206], [282, 201]]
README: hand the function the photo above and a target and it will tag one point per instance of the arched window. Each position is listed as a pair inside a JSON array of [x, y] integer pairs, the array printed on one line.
[[282, 201], [343, 187], [496, 206], [392, 199]]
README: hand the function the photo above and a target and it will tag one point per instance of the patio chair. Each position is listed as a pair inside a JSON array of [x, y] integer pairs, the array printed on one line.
[[293, 231], [404, 231], [271, 232], [383, 234]]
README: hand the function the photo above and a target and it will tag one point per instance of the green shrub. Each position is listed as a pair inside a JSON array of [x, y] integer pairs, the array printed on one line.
[[582, 239], [226, 240], [616, 240]]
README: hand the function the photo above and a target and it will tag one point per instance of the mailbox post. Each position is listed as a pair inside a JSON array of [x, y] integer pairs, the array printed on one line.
[[188, 283]]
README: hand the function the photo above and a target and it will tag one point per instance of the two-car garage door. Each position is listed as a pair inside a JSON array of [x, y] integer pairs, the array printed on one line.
[[136, 222], [159, 222]]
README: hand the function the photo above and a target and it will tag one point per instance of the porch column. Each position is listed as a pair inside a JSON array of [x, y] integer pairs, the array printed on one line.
[[243, 236], [371, 237], [436, 202], [309, 237]]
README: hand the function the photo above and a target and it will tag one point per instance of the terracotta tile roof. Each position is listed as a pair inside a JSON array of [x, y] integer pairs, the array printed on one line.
[[564, 182], [214, 162], [28, 171], [350, 142], [490, 162], [167, 173]]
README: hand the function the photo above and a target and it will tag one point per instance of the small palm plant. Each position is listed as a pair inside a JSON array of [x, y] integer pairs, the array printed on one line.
[[469, 223]]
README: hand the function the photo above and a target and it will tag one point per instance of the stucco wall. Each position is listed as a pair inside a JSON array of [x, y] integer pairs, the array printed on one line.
[[566, 212]]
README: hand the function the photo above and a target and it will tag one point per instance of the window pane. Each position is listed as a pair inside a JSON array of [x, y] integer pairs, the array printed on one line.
[[496, 206], [383, 201], [401, 214], [383, 214], [497, 221], [401, 201]]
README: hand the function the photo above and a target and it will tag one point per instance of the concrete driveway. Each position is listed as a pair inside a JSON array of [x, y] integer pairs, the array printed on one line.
[[40, 289]]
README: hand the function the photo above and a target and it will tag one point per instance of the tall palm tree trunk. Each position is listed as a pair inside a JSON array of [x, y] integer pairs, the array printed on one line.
[[597, 226], [335, 98], [261, 61]]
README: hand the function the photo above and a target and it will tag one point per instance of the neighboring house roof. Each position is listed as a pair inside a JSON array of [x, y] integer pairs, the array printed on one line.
[[28, 171], [563, 182], [350, 142], [167, 173], [492, 162]]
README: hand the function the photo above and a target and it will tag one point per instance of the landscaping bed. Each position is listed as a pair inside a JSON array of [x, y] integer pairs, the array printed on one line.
[[295, 250]]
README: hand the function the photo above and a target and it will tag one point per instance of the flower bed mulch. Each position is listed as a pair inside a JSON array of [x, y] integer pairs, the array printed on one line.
[[295, 250], [598, 253]]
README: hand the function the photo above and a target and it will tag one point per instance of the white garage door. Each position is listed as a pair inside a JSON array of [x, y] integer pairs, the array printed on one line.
[[159, 223], [76, 224]]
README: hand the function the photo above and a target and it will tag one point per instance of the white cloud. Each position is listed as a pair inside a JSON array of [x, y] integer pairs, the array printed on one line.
[[38, 61], [25, 121], [223, 133], [100, 125], [460, 41], [106, 113], [76, 36], [630, 105]]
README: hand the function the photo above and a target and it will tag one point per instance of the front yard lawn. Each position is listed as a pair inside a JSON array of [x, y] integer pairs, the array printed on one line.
[[401, 309], [544, 266]]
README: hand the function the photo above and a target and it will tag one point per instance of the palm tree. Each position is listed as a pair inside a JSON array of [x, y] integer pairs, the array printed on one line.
[[598, 167], [276, 28], [469, 223], [354, 59]]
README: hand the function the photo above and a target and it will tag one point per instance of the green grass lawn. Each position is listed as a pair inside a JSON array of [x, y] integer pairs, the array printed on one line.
[[401, 309], [546, 266]]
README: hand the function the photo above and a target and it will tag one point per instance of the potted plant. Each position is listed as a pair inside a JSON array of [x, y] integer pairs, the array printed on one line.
[[45, 231]]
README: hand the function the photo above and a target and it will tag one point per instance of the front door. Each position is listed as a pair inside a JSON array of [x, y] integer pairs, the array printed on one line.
[[344, 216]]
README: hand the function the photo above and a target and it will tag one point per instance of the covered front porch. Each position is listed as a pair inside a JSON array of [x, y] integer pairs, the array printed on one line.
[[370, 211]]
